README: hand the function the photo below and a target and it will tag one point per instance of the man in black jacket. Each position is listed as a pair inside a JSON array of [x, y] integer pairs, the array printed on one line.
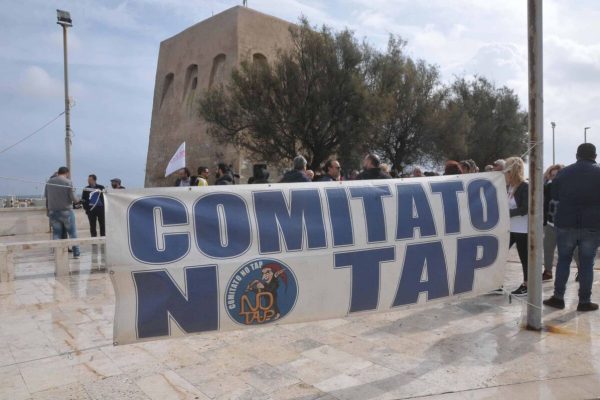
[[332, 171], [261, 175], [371, 169], [93, 204], [298, 174], [576, 190], [224, 175]]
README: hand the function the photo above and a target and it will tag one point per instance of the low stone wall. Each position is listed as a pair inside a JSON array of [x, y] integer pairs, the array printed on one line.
[[32, 221]]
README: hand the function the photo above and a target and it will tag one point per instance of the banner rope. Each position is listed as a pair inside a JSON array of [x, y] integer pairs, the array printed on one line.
[[532, 145], [85, 189], [99, 191], [522, 300], [10, 178]]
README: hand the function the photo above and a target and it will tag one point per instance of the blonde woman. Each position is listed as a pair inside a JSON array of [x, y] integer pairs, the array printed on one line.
[[518, 204], [551, 172]]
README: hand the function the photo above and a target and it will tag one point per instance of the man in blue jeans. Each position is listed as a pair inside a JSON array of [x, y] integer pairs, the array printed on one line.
[[576, 190], [60, 197]]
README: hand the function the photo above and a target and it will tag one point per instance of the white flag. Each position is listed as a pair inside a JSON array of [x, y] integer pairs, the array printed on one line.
[[177, 161]]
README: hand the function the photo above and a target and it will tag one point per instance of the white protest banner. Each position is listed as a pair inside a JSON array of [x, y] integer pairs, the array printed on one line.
[[187, 260], [177, 161]]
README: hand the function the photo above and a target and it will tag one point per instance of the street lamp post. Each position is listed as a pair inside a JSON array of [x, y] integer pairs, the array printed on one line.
[[585, 133], [64, 20], [536, 163], [553, 143]]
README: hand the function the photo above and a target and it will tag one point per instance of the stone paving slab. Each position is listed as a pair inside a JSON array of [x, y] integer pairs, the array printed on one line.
[[56, 343]]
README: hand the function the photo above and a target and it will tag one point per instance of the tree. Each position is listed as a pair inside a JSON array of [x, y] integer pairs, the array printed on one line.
[[407, 96], [310, 100], [451, 126], [494, 125], [329, 94]]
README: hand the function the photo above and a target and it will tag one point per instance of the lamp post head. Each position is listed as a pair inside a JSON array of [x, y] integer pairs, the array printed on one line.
[[585, 134], [553, 124], [64, 18]]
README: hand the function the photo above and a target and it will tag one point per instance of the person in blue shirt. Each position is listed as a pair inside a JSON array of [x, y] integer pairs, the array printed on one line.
[[93, 204], [576, 193]]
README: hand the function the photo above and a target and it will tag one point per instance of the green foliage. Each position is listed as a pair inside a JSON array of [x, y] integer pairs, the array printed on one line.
[[406, 96], [495, 126], [330, 95]]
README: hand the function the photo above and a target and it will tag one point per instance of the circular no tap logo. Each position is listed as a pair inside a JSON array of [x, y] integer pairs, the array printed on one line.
[[261, 291]]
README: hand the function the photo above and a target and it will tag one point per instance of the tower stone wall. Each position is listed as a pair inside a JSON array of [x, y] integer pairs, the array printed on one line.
[[191, 62]]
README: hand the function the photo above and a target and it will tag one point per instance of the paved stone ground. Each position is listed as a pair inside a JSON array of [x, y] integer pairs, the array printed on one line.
[[55, 343]]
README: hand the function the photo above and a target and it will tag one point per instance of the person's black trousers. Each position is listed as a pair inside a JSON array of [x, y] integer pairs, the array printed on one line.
[[520, 239], [96, 214]]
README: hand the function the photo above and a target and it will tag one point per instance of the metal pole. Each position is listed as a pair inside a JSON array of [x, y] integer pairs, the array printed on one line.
[[585, 134], [553, 144], [536, 163], [67, 105]]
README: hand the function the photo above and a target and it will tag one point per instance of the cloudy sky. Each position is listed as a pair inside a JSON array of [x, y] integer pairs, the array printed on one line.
[[114, 47]]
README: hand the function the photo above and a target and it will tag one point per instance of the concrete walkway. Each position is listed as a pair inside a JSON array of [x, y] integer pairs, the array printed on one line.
[[55, 343]]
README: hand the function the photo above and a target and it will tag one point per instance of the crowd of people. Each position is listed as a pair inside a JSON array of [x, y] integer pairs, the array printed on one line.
[[571, 207], [571, 219], [331, 170]]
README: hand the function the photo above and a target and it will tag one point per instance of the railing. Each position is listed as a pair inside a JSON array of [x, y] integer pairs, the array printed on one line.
[[61, 254]]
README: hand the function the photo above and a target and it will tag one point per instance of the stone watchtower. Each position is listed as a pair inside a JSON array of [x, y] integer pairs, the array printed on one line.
[[191, 62]]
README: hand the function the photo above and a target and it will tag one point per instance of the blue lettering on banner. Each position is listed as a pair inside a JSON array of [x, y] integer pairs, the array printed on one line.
[[365, 266], [373, 210], [414, 212], [473, 253], [483, 217], [339, 212], [449, 192], [234, 227], [143, 235], [159, 298], [421, 258], [273, 216]]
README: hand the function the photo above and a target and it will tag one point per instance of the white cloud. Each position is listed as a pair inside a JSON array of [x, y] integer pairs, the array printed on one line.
[[499, 62], [572, 61], [36, 82], [37, 85], [114, 46]]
